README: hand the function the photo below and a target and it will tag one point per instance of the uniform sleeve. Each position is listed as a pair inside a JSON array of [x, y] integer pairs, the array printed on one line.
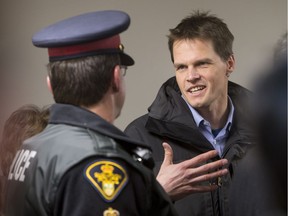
[[99, 186], [161, 204]]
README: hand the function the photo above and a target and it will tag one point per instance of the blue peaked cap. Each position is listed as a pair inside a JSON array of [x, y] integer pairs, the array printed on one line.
[[88, 34]]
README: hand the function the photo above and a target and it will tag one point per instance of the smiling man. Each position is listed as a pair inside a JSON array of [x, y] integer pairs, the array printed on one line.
[[195, 113]]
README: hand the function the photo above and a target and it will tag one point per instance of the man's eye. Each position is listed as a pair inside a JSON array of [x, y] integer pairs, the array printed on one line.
[[203, 64], [180, 67]]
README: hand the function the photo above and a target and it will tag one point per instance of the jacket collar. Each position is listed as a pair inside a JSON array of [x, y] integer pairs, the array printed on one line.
[[170, 106], [80, 117], [169, 115]]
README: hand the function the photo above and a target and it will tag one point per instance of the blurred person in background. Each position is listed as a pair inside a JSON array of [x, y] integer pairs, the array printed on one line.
[[22, 124], [263, 174]]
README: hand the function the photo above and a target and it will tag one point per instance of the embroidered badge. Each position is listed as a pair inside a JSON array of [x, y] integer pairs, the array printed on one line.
[[111, 212], [107, 177]]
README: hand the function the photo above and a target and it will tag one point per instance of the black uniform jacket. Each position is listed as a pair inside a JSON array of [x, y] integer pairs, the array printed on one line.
[[169, 119], [82, 165]]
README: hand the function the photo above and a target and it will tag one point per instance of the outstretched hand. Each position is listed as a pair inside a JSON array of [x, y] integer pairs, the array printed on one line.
[[182, 179]]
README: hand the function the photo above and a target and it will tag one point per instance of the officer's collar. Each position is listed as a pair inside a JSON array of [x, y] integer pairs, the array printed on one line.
[[80, 117]]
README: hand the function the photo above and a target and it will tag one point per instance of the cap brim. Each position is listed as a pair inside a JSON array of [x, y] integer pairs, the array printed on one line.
[[126, 59]]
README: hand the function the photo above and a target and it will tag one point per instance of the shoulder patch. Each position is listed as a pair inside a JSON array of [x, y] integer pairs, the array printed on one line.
[[107, 177]]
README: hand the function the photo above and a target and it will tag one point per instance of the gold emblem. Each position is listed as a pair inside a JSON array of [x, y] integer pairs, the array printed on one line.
[[111, 212], [107, 177], [121, 47]]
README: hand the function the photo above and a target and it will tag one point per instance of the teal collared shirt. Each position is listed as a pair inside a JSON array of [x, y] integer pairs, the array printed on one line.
[[216, 137]]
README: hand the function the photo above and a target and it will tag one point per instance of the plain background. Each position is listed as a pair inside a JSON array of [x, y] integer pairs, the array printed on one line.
[[256, 25]]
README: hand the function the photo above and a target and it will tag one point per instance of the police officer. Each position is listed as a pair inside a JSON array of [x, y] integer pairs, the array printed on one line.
[[81, 164]]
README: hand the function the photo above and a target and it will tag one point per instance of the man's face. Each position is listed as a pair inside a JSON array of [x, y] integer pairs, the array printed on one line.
[[201, 74]]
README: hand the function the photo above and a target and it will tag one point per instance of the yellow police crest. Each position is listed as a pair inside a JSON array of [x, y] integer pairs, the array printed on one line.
[[111, 212], [107, 177]]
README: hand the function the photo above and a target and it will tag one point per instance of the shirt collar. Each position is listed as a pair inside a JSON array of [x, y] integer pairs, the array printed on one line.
[[200, 120]]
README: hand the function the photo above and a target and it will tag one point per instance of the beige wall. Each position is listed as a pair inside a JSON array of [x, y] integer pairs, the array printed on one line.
[[256, 25]]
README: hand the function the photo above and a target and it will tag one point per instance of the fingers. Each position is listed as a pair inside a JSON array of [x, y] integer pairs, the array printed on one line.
[[165, 166], [200, 159], [190, 176], [210, 176], [215, 165], [208, 171], [205, 156], [168, 154], [197, 171], [204, 188], [191, 189]]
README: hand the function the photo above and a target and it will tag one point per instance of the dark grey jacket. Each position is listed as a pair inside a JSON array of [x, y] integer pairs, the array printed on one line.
[[169, 119], [57, 176]]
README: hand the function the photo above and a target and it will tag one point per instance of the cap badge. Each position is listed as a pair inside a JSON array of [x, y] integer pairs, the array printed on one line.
[[107, 177], [121, 47], [111, 212]]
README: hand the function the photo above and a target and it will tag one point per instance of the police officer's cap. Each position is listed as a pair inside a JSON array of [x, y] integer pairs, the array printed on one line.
[[88, 34]]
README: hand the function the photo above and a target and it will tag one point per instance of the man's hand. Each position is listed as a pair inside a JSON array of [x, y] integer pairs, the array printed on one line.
[[182, 179]]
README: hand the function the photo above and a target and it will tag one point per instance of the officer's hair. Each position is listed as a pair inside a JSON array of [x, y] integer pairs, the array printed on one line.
[[82, 81], [203, 26]]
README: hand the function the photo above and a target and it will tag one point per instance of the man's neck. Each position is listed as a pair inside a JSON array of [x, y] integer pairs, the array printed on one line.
[[104, 108], [217, 115]]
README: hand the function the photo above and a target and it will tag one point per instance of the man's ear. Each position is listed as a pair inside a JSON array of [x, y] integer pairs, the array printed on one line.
[[49, 84], [231, 64], [116, 79]]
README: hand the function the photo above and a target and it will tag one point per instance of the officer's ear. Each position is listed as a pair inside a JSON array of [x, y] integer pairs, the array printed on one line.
[[49, 84], [116, 78]]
